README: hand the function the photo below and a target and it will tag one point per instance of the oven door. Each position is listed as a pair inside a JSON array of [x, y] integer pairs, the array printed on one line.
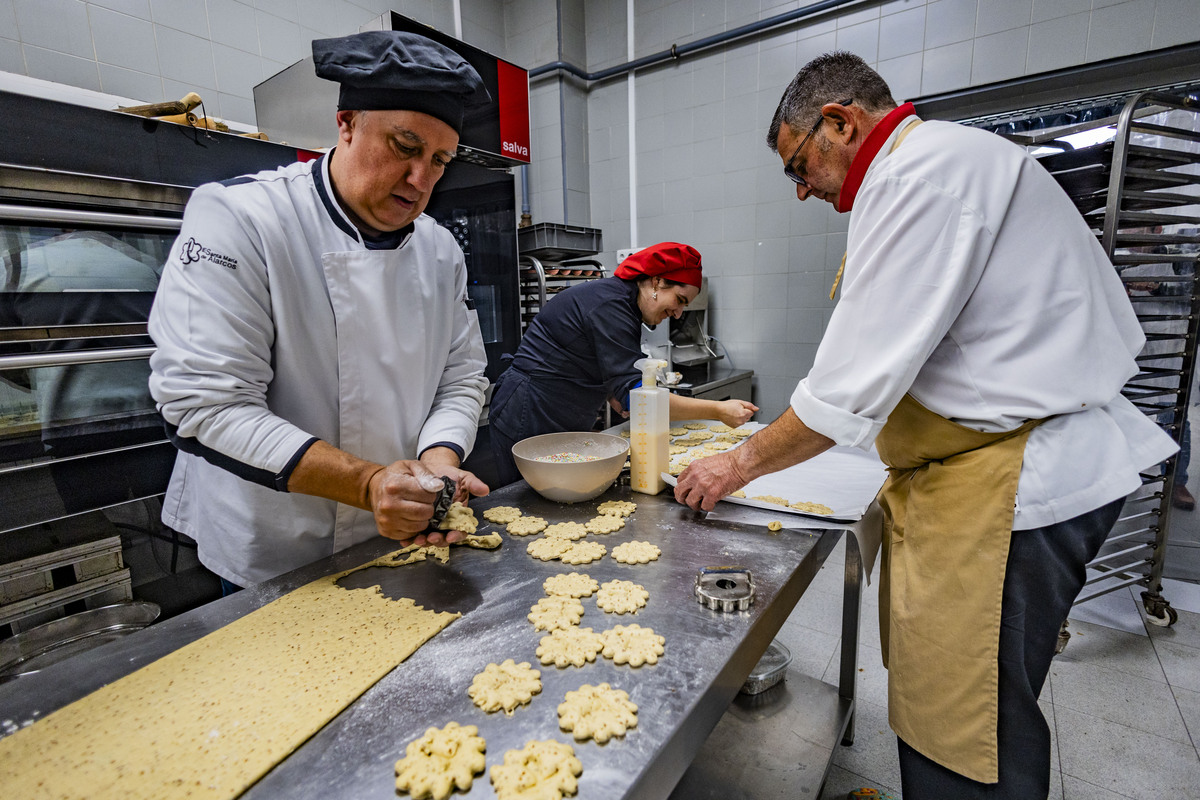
[[78, 429]]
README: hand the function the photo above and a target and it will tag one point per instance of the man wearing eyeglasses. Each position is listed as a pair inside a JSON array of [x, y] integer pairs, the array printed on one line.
[[980, 343]]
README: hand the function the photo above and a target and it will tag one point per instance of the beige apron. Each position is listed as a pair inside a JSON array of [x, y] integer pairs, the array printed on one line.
[[948, 511]]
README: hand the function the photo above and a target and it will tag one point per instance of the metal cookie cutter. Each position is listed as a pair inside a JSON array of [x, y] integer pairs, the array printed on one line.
[[441, 505], [725, 588]]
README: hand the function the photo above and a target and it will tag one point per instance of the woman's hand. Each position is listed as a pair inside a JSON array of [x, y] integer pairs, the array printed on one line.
[[735, 412]]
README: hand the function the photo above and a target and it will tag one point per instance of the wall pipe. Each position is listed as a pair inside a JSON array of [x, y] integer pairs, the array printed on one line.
[[678, 51], [632, 98]]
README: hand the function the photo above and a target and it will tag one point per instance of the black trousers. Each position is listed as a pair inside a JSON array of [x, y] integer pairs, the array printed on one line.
[[1044, 576]]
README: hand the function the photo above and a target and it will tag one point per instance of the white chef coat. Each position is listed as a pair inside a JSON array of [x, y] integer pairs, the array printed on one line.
[[972, 282], [276, 325]]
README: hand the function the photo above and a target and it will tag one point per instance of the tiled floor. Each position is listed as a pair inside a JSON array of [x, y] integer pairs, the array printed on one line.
[[1123, 699]]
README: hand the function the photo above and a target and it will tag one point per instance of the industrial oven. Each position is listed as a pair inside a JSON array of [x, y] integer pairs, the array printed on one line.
[[90, 204]]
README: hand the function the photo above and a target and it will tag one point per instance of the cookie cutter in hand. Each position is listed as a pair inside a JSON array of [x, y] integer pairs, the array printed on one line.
[[441, 505]]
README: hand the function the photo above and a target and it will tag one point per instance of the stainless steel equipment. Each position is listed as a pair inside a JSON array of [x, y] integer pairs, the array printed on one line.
[[553, 258], [1140, 192], [566, 481], [90, 204], [681, 698]]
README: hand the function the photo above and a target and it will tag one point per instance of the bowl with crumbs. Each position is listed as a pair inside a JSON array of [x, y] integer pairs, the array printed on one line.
[[570, 467]]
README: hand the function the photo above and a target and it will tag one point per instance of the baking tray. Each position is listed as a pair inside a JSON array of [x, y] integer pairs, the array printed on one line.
[[844, 478], [59, 639]]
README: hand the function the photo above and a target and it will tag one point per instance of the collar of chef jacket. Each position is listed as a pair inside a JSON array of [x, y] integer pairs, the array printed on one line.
[[866, 154]]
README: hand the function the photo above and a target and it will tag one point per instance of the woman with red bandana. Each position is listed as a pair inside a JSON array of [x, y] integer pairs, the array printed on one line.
[[579, 352]]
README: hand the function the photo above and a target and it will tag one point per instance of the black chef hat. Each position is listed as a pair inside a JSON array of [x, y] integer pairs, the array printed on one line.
[[397, 70]]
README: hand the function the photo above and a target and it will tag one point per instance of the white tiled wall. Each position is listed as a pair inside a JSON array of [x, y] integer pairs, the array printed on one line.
[[152, 50]]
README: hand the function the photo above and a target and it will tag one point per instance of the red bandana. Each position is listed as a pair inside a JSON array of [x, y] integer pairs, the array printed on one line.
[[866, 154]]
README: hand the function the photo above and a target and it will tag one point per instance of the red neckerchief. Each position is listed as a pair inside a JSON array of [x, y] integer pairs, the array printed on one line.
[[866, 154]]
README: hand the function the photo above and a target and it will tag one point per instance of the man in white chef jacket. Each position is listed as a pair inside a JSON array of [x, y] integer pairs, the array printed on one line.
[[318, 363], [980, 343]]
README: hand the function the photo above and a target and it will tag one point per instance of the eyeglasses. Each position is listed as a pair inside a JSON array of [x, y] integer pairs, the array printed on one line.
[[788, 169]]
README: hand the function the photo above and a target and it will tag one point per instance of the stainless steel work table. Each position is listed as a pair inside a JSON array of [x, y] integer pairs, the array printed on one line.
[[680, 699]]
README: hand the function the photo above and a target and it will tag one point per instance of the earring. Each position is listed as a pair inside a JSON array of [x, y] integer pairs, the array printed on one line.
[[655, 295]]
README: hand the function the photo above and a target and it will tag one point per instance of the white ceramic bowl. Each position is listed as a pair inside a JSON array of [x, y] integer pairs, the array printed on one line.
[[575, 482]]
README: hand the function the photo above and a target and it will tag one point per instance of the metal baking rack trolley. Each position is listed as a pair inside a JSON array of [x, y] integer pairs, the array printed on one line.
[[1140, 193], [553, 257]]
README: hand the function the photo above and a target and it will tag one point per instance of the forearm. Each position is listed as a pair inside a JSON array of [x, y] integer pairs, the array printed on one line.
[[692, 408], [440, 457], [783, 443], [325, 471]]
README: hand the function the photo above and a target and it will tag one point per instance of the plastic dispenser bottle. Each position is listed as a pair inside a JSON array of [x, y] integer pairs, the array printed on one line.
[[649, 422]]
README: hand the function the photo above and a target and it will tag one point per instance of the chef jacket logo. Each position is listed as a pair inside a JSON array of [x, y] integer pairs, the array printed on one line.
[[193, 251]]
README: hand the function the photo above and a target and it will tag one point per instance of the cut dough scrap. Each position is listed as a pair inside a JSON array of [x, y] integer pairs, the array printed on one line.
[[570, 531], [605, 523], [230, 716], [583, 553], [567, 647], [572, 584], [441, 761], [774, 525], [619, 508], [548, 548], [505, 686], [486, 541], [632, 644], [635, 552], [597, 712], [541, 770], [621, 597], [554, 612], [524, 526], [811, 508], [502, 514], [739, 493], [459, 518], [770, 498]]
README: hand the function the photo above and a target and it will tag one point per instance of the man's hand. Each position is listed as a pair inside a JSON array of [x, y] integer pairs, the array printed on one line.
[[401, 496], [707, 480], [735, 413]]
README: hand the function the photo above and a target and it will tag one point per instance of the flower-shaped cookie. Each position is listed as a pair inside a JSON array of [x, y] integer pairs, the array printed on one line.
[[572, 584], [605, 523], [502, 514], [621, 597], [635, 552], [441, 761], [554, 612], [632, 645], [524, 526], [620, 508], [541, 770], [569, 647], [548, 548], [570, 531], [597, 712], [505, 686], [583, 552]]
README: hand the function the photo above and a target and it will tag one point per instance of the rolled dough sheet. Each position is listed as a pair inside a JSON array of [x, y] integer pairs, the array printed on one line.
[[211, 718]]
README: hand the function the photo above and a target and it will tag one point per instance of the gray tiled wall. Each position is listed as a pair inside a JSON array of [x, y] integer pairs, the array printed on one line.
[[151, 50], [705, 175]]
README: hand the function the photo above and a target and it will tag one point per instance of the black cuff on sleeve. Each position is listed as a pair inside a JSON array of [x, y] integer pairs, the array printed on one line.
[[456, 448], [262, 477]]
